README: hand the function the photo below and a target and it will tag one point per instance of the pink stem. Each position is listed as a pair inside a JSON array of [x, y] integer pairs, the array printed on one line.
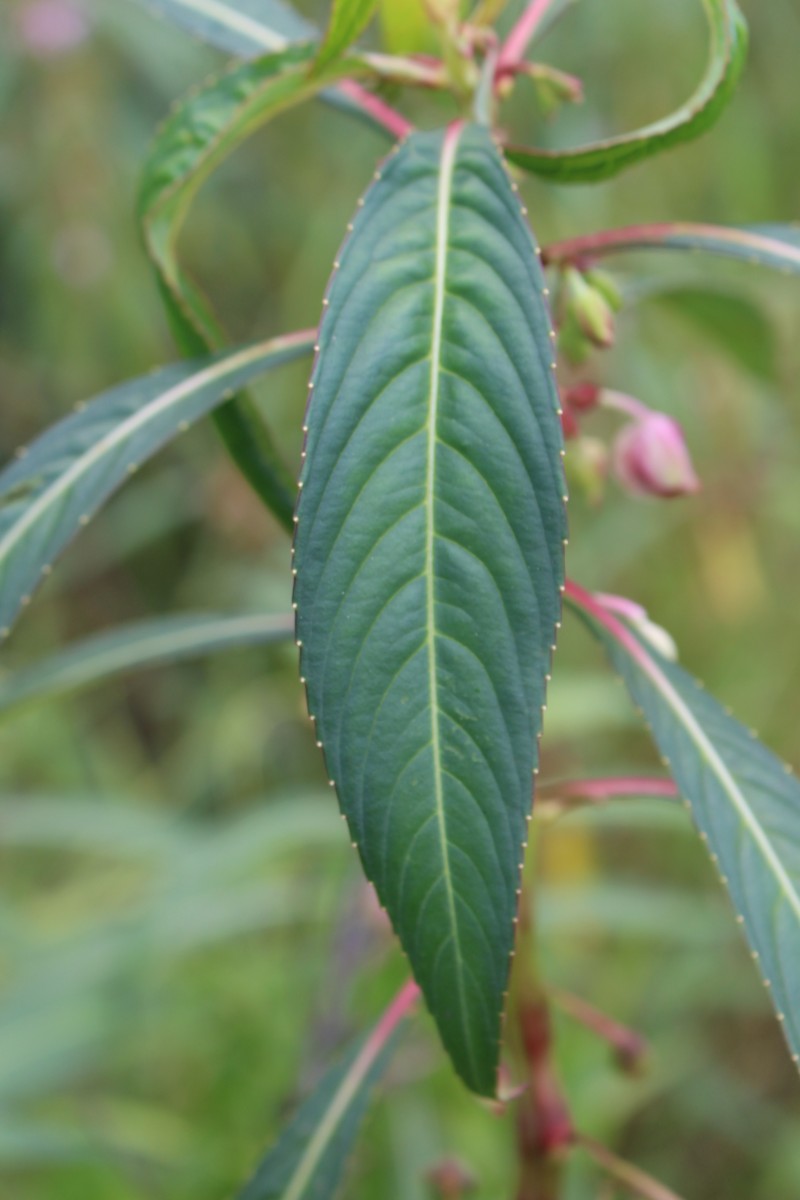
[[400, 1007], [619, 631], [602, 789], [383, 113], [515, 45]]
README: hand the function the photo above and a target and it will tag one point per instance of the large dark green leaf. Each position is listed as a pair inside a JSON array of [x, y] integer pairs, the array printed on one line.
[[602, 159], [246, 28], [743, 800], [54, 488], [776, 246], [132, 647], [429, 561], [199, 134], [310, 1158]]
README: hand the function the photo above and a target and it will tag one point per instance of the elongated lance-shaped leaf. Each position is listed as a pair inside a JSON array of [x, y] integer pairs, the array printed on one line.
[[429, 559], [250, 28], [132, 647], [602, 159], [246, 28], [349, 19], [745, 803], [312, 1154], [776, 246], [56, 485], [195, 139]]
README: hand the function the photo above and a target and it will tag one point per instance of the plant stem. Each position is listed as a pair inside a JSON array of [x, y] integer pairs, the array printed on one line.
[[392, 121], [598, 791], [637, 1182], [629, 1046], [523, 33]]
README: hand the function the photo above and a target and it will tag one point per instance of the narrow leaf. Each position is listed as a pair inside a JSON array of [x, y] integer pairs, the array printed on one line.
[[776, 246], [197, 137], [602, 159], [349, 19], [429, 561], [743, 800], [245, 28], [55, 486], [132, 647], [310, 1159]]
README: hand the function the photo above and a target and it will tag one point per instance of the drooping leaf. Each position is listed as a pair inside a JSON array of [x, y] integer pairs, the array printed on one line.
[[199, 134], [776, 246], [55, 487], [246, 28], [310, 1158], [602, 159], [429, 560], [131, 647], [349, 19], [735, 323], [743, 800]]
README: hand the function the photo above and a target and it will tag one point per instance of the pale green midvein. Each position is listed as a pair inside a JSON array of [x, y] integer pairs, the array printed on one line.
[[124, 430], [446, 169], [709, 753], [227, 15]]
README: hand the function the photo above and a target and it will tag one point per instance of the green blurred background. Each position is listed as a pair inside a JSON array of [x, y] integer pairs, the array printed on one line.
[[184, 938]]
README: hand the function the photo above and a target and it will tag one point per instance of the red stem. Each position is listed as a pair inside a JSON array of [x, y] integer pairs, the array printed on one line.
[[598, 790], [616, 628], [515, 45], [393, 121]]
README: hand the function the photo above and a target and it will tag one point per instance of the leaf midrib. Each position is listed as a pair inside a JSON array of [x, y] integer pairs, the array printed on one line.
[[712, 758], [446, 171], [118, 434], [243, 24]]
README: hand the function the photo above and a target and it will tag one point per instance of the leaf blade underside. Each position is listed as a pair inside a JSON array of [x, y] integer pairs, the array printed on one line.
[[743, 800], [603, 159], [429, 560]]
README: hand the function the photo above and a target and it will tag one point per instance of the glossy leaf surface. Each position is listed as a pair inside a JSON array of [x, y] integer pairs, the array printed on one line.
[[310, 1158], [775, 246], [602, 159], [349, 19], [429, 559], [54, 488], [135, 646], [744, 802]]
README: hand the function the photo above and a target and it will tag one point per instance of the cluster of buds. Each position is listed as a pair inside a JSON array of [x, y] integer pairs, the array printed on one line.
[[649, 456], [586, 305]]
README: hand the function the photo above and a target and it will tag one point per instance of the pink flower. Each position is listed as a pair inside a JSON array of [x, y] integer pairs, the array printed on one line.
[[651, 458], [49, 28]]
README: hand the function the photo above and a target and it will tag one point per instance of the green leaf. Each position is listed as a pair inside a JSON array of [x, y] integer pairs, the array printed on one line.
[[349, 19], [429, 560], [246, 28], [743, 800], [199, 134], [54, 487], [601, 160], [312, 1154], [134, 646], [776, 246], [735, 323]]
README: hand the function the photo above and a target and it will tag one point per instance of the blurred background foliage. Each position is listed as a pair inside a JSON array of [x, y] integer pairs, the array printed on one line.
[[185, 938]]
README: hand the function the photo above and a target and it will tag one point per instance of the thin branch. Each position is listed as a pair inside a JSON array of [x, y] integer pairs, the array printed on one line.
[[637, 1182], [392, 121], [629, 1047], [523, 33], [601, 789]]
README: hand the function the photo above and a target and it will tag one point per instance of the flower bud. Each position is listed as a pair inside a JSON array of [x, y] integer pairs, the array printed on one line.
[[651, 458], [49, 28], [607, 286], [589, 308], [586, 465]]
